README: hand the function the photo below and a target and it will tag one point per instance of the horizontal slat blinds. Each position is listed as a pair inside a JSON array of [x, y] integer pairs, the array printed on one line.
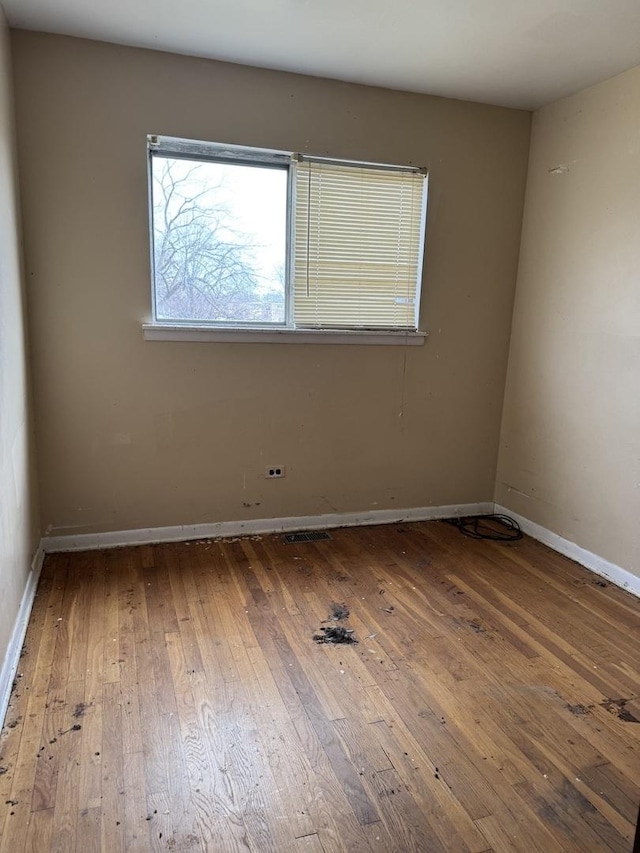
[[357, 248]]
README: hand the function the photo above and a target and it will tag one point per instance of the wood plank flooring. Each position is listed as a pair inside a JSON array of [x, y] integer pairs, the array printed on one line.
[[171, 698]]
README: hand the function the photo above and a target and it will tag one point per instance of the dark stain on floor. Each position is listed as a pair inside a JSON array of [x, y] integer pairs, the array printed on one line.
[[619, 708]]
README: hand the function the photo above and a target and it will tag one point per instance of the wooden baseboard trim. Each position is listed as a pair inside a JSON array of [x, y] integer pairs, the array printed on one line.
[[12, 656], [181, 533], [613, 573]]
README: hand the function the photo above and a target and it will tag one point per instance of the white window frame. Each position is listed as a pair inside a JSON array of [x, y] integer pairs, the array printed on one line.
[[157, 329]]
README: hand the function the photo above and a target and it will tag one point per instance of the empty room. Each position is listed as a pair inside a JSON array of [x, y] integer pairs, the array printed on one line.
[[319, 426]]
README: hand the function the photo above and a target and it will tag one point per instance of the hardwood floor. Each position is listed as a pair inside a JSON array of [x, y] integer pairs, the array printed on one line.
[[171, 698]]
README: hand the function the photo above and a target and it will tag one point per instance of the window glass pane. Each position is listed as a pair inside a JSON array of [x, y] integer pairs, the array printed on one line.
[[220, 234]]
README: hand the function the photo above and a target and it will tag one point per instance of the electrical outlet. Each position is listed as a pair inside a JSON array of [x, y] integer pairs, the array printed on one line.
[[274, 471]]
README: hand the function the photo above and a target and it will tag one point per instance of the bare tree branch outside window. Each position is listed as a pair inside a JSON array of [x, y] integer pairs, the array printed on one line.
[[208, 263]]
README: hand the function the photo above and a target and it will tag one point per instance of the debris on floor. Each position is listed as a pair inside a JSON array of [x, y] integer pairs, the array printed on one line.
[[339, 612], [601, 583], [335, 634], [75, 728], [619, 708]]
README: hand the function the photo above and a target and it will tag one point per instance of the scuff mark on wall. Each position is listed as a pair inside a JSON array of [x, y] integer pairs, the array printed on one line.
[[516, 491]]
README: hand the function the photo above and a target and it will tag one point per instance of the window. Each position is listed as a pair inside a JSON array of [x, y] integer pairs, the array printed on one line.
[[247, 238]]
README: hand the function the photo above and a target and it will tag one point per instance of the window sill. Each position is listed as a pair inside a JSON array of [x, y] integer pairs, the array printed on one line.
[[384, 337]]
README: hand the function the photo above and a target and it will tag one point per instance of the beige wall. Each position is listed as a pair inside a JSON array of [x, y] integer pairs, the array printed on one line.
[[18, 508], [133, 433], [570, 447]]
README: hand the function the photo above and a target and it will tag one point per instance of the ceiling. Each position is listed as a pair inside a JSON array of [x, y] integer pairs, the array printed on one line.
[[508, 52]]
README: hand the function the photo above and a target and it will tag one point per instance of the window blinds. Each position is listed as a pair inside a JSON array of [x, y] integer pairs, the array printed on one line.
[[357, 245]]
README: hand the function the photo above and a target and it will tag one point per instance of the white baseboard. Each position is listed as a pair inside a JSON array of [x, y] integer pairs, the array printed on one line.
[[181, 533], [613, 573], [12, 656]]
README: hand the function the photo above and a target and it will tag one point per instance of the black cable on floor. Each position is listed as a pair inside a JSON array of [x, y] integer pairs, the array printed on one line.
[[498, 528]]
